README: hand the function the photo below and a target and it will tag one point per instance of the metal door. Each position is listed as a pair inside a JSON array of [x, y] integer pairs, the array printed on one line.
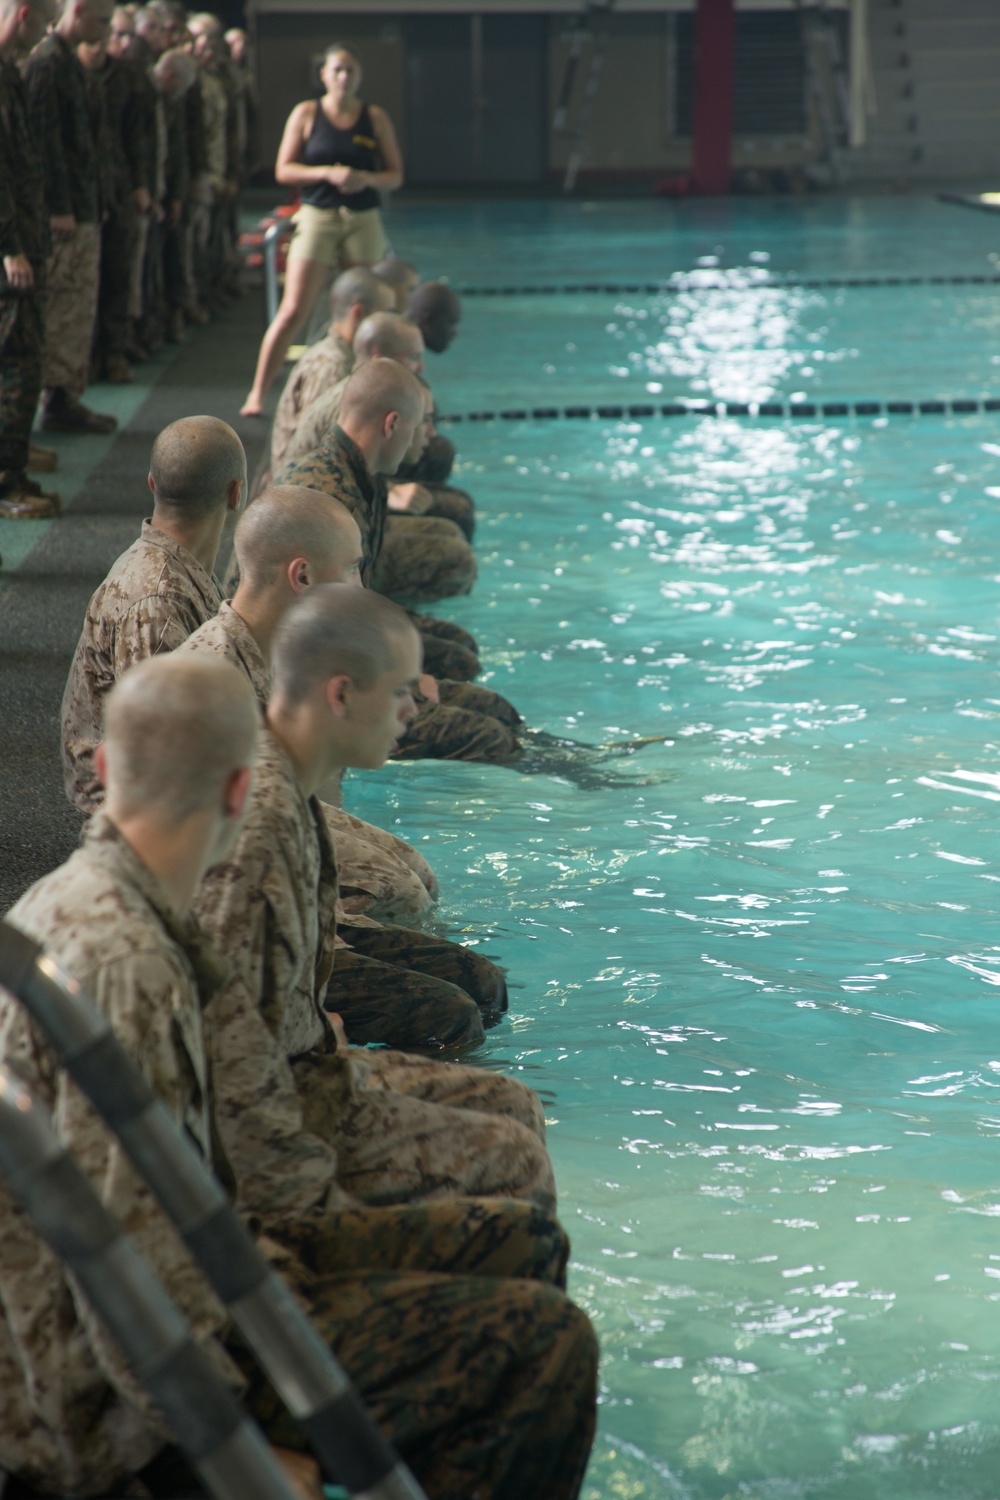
[[475, 99]]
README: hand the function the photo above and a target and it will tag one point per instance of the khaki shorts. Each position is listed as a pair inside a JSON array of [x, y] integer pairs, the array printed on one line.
[[337, 236]]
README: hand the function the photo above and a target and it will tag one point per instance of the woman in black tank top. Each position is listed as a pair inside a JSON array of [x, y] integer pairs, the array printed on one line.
[[341, 153]]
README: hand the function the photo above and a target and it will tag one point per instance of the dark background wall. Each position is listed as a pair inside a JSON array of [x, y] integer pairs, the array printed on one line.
[[473, 95]]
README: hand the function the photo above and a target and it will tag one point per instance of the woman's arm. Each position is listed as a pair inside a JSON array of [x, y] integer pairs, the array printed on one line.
[[391, 176]]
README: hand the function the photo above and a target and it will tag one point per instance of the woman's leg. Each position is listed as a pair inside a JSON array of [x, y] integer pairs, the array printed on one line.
[[365, 241], [303, 280]]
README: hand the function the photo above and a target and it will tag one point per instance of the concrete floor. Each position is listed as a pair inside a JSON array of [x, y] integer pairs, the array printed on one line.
[[43, 594]]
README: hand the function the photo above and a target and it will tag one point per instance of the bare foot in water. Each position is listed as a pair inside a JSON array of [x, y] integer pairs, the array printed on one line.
[[251, 408]]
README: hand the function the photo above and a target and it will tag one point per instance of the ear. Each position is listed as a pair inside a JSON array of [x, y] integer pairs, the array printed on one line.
[[235, 792], [299, 575], [338, 693], [152, 486], [390, 424], [101, 763], [234, 495]]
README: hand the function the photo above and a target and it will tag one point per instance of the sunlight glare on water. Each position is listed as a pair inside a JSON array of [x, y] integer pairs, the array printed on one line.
[[754, 967]]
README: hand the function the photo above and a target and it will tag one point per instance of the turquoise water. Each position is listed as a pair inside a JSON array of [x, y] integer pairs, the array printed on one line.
[[755, 975]]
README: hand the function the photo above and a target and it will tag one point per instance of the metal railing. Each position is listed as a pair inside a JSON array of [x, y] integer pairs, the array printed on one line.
[[222, 1444]]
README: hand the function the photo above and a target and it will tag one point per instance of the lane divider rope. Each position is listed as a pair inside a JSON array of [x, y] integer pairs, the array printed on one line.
[[673, 288], [959, 407]]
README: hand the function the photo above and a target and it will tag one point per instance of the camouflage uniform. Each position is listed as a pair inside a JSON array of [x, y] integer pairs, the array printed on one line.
[[143, 148], [208, 249], [301, 1122], [449, 651], [197, 163], [434, 465], [449, 501], [176, 189], [57, 98], [229, 209], [469, 722], [126, 154], [23, 231], [477, 1377], [470, 1426], [337, 467], [72, 1418], [421, 557], [156, 594], [424, 558], [315, 419], [323, 364], [444, 731], [431, 470], [379, 874]]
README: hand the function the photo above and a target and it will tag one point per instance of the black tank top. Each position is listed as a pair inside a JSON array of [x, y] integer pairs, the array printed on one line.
[[329, 147]]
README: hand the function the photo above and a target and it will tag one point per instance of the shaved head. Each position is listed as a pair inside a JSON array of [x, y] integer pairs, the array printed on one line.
[[30, 31], [204, 22], [358, 287], [401, 276], [424, 428], [175, 728], [193, 464], [287, 522], [394, 270], [386, 335], [437, 312], [378, 388], [336, 629], [175, 71], [85, 21]]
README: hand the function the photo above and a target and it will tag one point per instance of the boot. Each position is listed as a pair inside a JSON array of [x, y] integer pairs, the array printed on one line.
[[118, 371], [135, 350], [61, 412], [41, 460], [176, 327], [150, 332], [21, 499]]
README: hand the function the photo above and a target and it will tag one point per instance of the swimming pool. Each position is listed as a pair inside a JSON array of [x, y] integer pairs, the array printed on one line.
[[755, 973]]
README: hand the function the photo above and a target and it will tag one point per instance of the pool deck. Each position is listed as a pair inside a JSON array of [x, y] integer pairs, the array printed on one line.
[[50, 570]]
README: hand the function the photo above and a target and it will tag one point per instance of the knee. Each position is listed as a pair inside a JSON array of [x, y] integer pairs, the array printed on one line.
[[516, 1100], [399, 897], [415, 862], [457, 1023], [437, 458], [580, 1359], [457, 569], [449, 660], [488, 988]]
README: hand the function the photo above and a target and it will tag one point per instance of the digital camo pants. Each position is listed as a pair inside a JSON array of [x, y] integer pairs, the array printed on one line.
[[423, 558], [74, 274], [450, 1320], [412, 990], [22, 337], [409, 1130], [469, 723]]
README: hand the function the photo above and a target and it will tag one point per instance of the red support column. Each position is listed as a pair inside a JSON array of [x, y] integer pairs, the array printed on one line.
[[714, 77]]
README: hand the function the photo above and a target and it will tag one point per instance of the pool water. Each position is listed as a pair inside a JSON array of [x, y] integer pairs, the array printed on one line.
[[754, 967]]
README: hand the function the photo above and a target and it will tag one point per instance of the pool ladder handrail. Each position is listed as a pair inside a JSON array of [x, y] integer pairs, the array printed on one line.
[[222, 1444]]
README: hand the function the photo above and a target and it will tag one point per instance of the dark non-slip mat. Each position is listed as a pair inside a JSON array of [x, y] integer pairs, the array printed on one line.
[[42, 607]]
